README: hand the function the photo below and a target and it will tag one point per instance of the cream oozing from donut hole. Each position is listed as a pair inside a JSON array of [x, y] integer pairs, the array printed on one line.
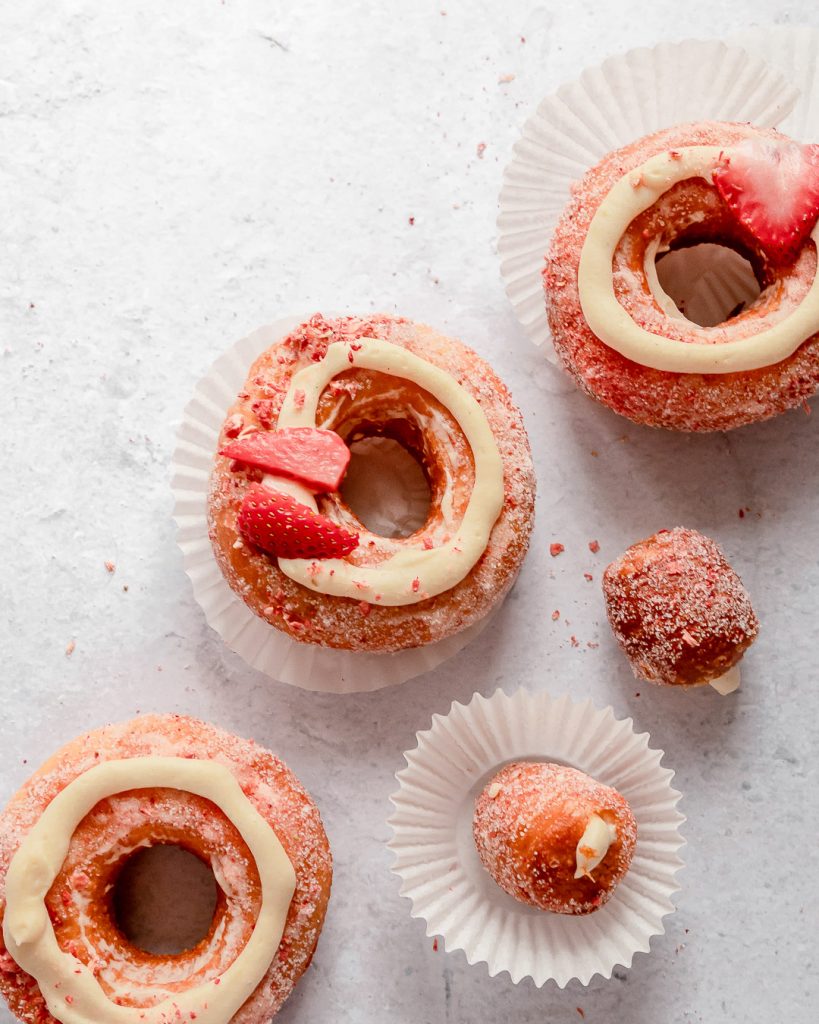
[[706, 351], [408, 574], [593, 845], [71, 991]]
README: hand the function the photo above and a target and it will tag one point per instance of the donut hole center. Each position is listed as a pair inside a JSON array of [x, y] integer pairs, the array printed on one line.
[[386, 487], [164, 900], [708, 283]]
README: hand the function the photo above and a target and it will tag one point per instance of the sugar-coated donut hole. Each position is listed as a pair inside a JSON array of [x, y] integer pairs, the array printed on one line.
[[709, 282], [164, 899], [386, 486]]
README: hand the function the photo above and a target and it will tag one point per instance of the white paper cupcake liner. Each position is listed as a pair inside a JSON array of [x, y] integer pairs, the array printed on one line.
[[439, 866], [607, 107], [261, 645], [793, 51]]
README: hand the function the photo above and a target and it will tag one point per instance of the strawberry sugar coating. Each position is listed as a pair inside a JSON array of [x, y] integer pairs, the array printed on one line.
[[677, 609], [316, 458], [694, 210], [282, 526]]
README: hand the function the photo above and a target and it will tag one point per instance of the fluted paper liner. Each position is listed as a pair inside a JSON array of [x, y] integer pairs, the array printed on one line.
[[261, 645], [440, 871], [793, 51], [607, 107]]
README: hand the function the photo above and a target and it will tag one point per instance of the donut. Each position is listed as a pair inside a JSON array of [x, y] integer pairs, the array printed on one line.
[[679, 611], [623, 339], [291, 547], [158, 780], [553, 837]]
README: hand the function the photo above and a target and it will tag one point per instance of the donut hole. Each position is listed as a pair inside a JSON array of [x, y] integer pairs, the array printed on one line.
[[164, 900], [709, 283], [386, 487]]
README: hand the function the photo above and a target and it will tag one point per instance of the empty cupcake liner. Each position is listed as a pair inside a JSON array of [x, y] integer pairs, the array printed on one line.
[[607, 107], [261, 645], [436, 858]]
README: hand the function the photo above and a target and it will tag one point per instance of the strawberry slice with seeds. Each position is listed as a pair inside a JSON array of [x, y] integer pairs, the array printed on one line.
[[282, 526], [772, 188], [317, 458]]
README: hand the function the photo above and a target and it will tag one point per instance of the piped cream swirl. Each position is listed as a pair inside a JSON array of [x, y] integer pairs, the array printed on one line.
[[409, 575]]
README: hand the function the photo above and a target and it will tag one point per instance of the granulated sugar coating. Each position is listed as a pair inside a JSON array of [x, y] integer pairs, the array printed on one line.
[[79, 900], [360, 403], [678, 609], [689, 213], [528, 822]]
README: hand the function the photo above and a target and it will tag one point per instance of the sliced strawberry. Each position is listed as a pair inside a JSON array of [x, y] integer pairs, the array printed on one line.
[[772, 188], [282, 526], [317, 458]]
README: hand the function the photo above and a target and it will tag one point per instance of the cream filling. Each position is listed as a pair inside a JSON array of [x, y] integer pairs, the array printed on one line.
[[411, 574], [72, 993], [593, 846], [634, 193], [727, 683]]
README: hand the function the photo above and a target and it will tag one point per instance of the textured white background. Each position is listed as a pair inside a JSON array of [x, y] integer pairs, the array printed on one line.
[[172, 174]]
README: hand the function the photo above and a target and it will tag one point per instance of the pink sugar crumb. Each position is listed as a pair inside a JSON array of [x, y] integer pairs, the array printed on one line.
[[109, 566], [594, 546], [555, 615], [556, 549], [234, 424], [70, 647]]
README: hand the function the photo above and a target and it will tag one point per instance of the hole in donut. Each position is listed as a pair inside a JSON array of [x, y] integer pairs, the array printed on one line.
[[708, 283], [164, 900], [386, 488]]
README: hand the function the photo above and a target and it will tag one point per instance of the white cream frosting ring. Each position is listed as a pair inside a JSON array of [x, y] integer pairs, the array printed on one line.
[[71, 992], [410, 575], [634, 193]]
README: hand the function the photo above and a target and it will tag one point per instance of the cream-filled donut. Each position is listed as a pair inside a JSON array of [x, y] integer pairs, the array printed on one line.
[[679, 611], [553, 837], [295, 552], [622, 337], [158, 780]]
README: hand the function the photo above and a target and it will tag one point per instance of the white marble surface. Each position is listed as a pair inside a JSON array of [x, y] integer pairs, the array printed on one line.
[[174, 174]]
